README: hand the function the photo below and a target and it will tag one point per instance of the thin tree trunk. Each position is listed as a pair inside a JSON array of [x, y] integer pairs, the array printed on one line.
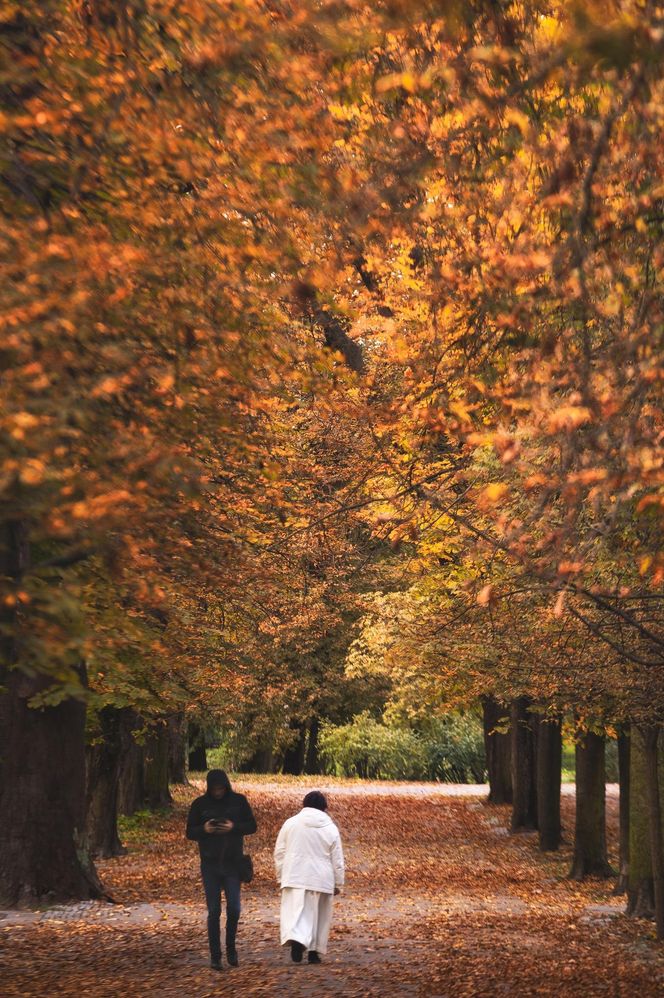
[[103, 765], [549, 764], [156, 791], [624, 743], [497, 746], [524, 785], [197, 753], [43, 850], [130, 790], [312, 762], [590, 855], [177, 748], [650, 734], [294, 756]]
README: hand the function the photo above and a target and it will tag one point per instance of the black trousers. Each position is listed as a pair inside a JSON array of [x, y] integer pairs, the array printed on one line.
[[214, 884]]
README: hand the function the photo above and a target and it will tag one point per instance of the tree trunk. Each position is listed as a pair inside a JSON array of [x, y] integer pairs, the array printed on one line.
[[549, 764], [524, 784], [312, 762], [43, 852], [640, 890], [156, 792], [130, 790], [177, 748], [650, 734], [624, 742], [197, 753], [104, 759], [294, 756], [497, 746], [590, 856]]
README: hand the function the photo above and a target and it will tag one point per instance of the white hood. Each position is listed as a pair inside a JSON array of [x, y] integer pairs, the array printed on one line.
[[312, 817]]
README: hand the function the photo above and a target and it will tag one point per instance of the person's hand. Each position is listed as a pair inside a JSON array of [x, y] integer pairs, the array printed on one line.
[[213, 827], [337, 890]]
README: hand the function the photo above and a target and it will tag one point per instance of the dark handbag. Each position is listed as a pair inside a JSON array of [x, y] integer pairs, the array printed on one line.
[[246, 869]]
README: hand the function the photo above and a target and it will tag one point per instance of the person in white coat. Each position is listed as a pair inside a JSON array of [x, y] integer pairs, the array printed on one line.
[[310, 866]]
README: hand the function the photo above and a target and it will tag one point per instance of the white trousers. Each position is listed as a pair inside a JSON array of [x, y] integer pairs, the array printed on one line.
[[305, 918]]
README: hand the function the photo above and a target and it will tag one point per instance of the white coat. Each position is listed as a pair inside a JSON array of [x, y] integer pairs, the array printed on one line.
[[308, 852]]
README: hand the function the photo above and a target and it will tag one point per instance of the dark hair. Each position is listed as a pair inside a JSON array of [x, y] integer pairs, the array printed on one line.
[[315, 799]]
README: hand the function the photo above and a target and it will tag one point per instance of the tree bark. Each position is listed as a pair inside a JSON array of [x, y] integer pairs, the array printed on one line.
[[640, 888], [497, 746], [43, 849], [624, 745], [197, 753], [590, 855], [650, 734], [177, 748], [524, 784], [549, 764], [103, 766], [156, 791], [312, 762]]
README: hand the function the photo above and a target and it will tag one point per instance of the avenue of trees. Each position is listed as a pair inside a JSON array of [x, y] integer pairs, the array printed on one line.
[[332, 354]]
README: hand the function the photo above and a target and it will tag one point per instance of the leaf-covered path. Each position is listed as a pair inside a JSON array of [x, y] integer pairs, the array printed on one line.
[[440, 901]]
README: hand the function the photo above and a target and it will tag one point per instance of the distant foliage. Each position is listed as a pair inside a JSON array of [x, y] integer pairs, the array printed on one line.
[[455, 750], [451, 750]]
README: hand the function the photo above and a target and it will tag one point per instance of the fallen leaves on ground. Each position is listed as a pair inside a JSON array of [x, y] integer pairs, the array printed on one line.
[[439, 902]]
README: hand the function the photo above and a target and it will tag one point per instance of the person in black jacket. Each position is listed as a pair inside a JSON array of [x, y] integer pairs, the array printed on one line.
[[218, 821]]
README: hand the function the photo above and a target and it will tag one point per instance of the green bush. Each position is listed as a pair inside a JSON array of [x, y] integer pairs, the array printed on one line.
[[365, 747], [450, 749], [455, 749]]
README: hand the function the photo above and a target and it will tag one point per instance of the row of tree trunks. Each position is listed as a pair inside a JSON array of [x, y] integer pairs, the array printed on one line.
[[301, 757], [536, 761]]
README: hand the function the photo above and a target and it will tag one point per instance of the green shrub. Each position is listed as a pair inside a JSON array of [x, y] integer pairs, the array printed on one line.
[[455, 749], [365, 747], [450, 749]]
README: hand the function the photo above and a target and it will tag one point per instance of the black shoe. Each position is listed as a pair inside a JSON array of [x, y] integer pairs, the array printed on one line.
[[216, 964], [313, 957], [231, 956], [296, 951]]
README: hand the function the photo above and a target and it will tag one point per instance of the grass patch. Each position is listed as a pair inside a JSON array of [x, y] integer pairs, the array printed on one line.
[[139, 828]]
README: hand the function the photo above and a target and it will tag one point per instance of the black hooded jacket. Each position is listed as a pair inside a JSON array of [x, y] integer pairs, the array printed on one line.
[[222, 850]]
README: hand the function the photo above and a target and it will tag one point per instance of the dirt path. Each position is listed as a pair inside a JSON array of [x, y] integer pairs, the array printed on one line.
[[440, 901]]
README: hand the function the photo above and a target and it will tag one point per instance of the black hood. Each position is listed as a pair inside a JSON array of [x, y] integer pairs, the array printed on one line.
[[218, 778]]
